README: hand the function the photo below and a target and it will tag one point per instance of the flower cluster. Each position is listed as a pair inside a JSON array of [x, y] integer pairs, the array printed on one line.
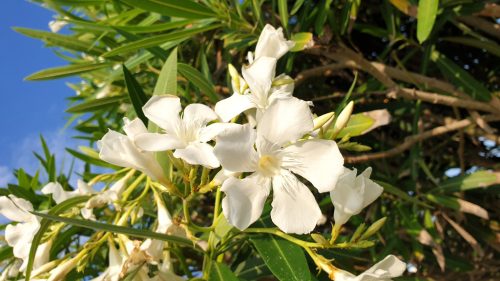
[[262, 139]]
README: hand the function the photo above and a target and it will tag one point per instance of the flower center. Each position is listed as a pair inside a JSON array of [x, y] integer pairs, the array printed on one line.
[[269, 165]]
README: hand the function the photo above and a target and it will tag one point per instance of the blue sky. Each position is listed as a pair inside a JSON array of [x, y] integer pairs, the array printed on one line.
[[28, 109]]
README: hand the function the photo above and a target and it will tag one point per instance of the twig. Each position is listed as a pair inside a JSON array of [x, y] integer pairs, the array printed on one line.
[[492, 29], [325, 70], [410, 141]]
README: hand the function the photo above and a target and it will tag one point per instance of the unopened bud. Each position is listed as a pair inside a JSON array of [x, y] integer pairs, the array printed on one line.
[[343, 118], [374, 228], [324, 121]]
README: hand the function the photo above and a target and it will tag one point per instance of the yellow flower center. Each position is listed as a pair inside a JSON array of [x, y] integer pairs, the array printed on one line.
[[269, 165]]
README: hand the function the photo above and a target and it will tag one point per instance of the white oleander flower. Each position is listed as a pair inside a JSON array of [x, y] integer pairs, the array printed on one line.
[[352, 194], [386, 269], [278, 153], [120, 150], [112, 273], [99, 199], [272, 43], [20, 235], [187, 135], [260, 78], [56, 25]]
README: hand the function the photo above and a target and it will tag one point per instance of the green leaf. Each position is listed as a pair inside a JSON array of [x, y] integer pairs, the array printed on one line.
[[67, 70], [166, 85], [427, 12], [44, 225], [174, 8], [489, 46], [159, 39], [283, 11], [90, 160], [133, 232], [296, 6], [301, 40], [64, 41], [460, 77], [96, 104], [479, 179], [356, 126], [400, 193], [285, 260], [221, 272], [136, 94], [154, 27], [197, 78]]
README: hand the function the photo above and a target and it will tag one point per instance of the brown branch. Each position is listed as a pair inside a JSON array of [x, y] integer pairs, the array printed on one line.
[[325, 70], [414, 94], [410, 141], [486, 26], [385, 73]]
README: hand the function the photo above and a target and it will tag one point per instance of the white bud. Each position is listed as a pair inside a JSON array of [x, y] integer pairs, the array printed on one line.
[[343, 118]]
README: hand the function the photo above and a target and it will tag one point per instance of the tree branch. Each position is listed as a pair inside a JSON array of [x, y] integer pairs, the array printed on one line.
[[410, 141]]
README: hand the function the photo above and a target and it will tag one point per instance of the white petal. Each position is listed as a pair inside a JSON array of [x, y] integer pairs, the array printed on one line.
[[229, 108], [163, 111], [389, 267], [244, 200], [42, 254], [294, 207], [372, 190], [272, 43], [234, 149], [318, 161], [19, 237], [283, 89], [198, 154], [199, 114], [119, 150], [285, 120], [158, 142], [259, 77], [134, 128], [209, 132], [13, 212], [59, 194]]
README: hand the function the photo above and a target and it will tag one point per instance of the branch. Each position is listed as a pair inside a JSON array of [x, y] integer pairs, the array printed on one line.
[[384, 74], [410, 141], [325, 70], [492, 29]]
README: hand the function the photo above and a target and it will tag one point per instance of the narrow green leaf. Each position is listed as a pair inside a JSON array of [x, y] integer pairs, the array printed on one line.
[[133, 232], [460, 77], [136, 94], [166, 85], [67, 70], [59, 40], [475, 180], [489, 46], [167, 81], [286, 260], [159, 39], [174, 8], [283, 11], [96, 104], [155, 50], [399, 193], [427, 12], [44, 225], [296, 6], [197, 78], [221, 272]]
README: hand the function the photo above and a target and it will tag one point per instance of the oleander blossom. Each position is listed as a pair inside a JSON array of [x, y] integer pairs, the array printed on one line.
[[386, 269], [353, 193], [120, 150], [187, 135], [259, 77], [20, 235], [274, 153]]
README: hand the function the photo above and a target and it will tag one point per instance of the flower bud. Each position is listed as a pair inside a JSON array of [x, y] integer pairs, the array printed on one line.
[[324, 121], [343, 118]]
